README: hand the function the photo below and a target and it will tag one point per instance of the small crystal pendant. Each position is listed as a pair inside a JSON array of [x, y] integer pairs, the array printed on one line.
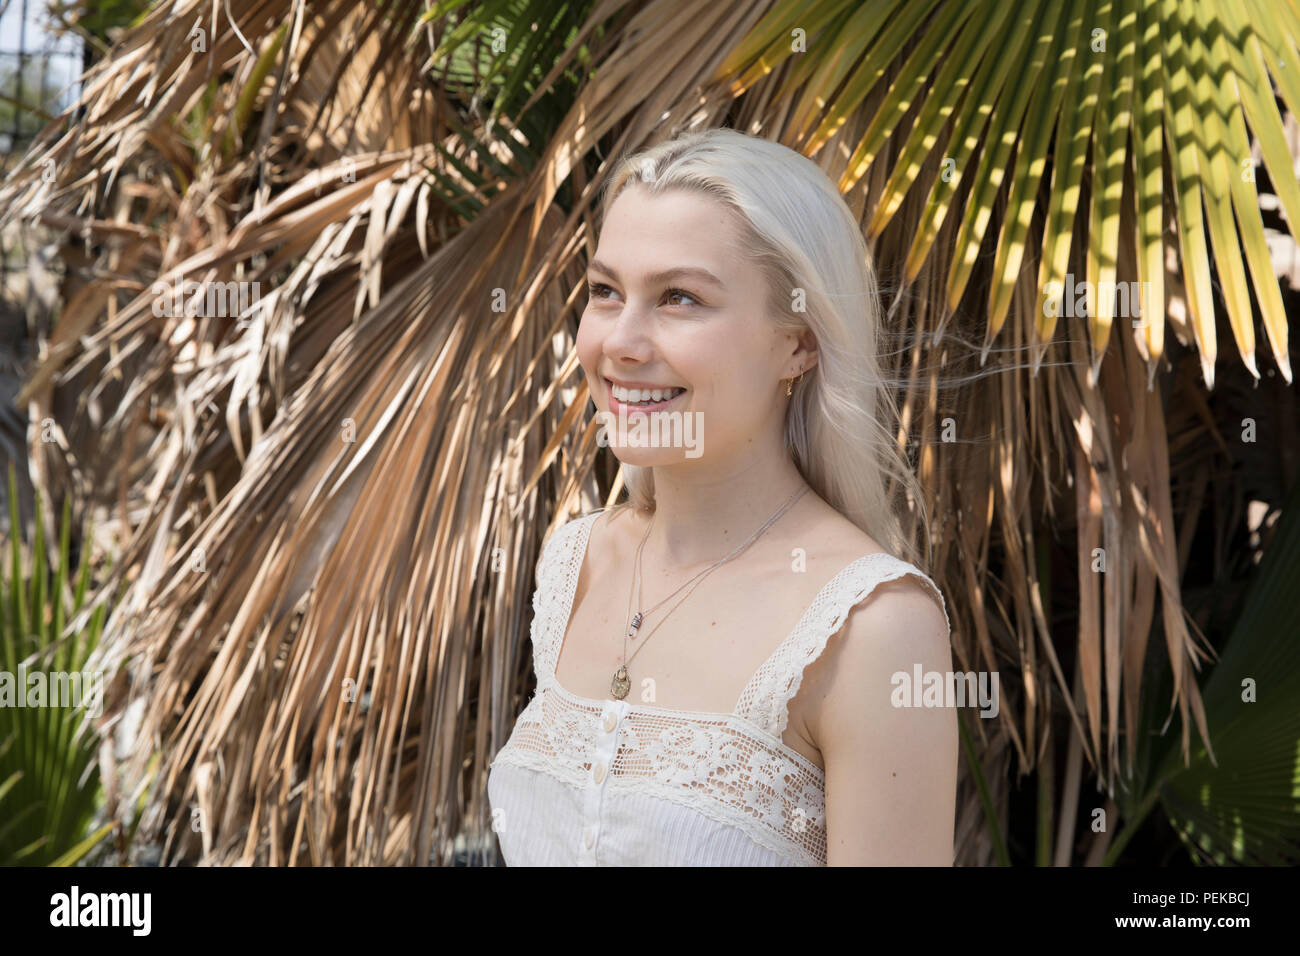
[[636, 623], [618, 687]]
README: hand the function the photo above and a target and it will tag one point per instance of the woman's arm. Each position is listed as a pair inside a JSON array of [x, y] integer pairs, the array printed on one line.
[[891, 771]]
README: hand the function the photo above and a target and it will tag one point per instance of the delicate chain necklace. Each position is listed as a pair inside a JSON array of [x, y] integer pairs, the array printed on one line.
[[619, 685]]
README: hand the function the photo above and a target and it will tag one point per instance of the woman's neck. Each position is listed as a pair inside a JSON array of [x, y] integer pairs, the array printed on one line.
[[699, 518]]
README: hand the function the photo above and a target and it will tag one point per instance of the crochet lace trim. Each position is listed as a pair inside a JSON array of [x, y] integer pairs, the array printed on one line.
[[719, 769]]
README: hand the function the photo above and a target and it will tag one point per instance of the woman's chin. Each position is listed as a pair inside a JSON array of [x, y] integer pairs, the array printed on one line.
[[652, 440], [648, 457]]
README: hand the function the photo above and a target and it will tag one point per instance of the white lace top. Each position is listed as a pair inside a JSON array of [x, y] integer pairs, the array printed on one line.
[[605, 782]]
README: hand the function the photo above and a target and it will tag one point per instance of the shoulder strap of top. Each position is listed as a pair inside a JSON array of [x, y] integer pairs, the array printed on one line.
[[557, 581], [766, 698]]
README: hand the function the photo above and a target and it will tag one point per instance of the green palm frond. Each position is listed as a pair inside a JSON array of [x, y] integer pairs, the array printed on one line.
[[1237, 801], [49, 784], [14, 816], [521, 49], [1240, 803], [1119, 97]]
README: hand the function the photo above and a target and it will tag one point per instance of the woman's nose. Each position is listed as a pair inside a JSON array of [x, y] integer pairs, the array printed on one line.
[[628, 338]]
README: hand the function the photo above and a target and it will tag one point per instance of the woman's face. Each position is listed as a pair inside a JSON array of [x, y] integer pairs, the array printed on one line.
[[674, 308]]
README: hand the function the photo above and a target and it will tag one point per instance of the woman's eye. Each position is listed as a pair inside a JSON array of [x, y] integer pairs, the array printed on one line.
[[598, 290]]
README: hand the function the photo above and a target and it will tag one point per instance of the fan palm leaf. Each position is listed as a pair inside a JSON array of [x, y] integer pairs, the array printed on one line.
[[1238, 802]]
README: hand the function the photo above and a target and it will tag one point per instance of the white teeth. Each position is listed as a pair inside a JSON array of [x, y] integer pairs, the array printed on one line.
[[633, 396]]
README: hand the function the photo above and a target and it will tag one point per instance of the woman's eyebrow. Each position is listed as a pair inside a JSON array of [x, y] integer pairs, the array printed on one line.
[[654, 278]]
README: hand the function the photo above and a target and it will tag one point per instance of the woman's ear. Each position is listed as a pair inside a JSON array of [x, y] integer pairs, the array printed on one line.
[[805, 354]]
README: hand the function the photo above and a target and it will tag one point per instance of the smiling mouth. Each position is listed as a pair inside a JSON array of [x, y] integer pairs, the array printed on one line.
[[641, 399]]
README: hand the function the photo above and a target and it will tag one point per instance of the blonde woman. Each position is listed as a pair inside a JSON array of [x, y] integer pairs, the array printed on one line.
[[717, 657]]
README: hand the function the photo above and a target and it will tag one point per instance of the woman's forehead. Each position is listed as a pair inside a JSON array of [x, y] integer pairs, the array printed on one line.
[[648, 238]]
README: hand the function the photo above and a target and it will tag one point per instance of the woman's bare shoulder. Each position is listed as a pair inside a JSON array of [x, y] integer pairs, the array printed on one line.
[[901, 604], [836, 540], [899, 621]]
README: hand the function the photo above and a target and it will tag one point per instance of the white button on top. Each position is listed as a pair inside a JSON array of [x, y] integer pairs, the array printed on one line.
[[610, 721], [598, 771], [589, 837]]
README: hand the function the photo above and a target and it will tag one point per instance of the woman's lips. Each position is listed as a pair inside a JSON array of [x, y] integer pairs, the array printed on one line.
[[618, 407]]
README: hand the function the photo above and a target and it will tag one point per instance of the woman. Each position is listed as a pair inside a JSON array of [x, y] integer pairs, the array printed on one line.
[[716, 657]]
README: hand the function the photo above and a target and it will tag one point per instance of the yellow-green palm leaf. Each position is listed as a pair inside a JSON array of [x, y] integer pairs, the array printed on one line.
[[1031, 103]]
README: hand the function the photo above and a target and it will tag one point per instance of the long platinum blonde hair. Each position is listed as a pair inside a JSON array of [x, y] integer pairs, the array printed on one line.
[[842, 423]]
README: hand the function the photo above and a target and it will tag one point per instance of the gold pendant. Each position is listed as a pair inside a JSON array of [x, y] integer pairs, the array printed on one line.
[[620, 684]]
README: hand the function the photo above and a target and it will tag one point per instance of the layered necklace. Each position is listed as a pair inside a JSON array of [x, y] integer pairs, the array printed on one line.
[[619, 685]]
